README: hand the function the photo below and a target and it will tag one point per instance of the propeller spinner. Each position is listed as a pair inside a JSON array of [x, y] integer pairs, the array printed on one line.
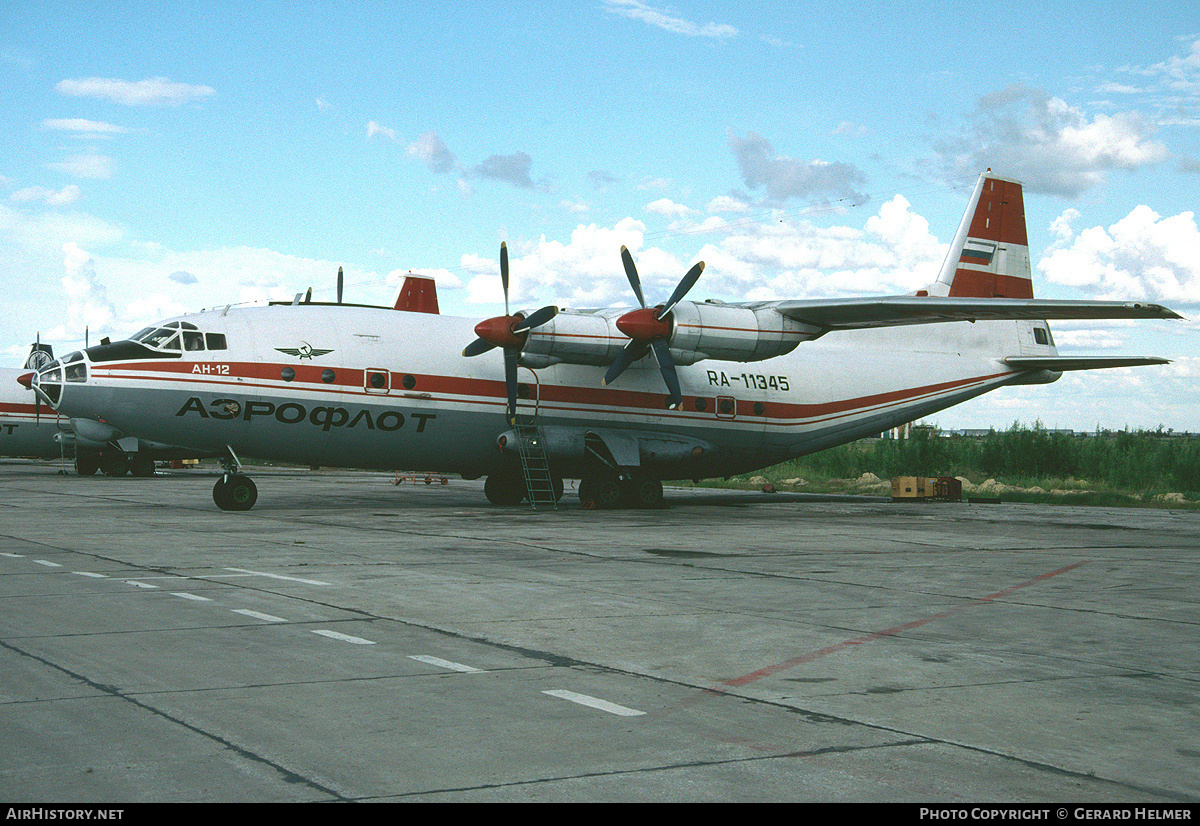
[[649, 329], [508, 332]]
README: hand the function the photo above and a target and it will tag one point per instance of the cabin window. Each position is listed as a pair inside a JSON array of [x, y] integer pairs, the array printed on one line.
[[1042, 336]]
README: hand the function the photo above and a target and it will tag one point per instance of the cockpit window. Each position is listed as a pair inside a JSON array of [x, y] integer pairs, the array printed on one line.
[[162, 339], [74, 367], [179, 335]]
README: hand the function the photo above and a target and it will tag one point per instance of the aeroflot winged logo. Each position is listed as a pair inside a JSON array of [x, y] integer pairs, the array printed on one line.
[[304, 351]]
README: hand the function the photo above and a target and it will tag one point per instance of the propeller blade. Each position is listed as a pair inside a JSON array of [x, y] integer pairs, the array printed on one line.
[[535, 319], [511, 355], [37, 399], [478, 346], [662, 354], [689, 281], [632, 351], [339, 285], [504, 273], [632, 274]]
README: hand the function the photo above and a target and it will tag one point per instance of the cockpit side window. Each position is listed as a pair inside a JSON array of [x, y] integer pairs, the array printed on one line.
[[162, 339], [193, 341], [74, 367], [215, 341]]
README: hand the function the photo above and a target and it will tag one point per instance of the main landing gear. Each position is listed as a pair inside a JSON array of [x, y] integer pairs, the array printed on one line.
[[605, 488], [506, 486], [112, 462], [234, 491]]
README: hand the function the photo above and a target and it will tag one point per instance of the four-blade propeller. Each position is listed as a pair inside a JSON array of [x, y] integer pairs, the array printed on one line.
[[650, 328], [508, 332]]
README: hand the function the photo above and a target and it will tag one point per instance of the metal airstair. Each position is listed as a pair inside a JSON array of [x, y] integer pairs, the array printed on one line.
[[535, 465]]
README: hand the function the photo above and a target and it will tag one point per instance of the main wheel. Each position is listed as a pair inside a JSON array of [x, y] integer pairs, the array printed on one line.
[[87, 462], [505, 487], [235, 493], [114, 463], [141, 466], [600, 488], [643, 491]]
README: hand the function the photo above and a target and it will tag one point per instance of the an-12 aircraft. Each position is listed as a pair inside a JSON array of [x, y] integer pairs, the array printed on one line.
[[619, 399]]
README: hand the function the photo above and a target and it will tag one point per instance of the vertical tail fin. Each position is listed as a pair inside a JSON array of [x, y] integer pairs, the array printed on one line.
[[418, 295], [990, 254]]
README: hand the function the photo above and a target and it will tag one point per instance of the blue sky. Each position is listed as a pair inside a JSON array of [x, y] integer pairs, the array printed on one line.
[[157, 158]]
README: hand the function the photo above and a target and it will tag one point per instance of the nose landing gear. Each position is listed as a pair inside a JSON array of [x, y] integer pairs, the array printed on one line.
[[234, 491]]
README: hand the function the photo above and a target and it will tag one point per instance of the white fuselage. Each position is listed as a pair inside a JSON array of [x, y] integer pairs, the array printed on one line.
[[351, 386]]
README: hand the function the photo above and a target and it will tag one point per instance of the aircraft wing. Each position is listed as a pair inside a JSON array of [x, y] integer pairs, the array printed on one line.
[[1062, 364], [893, 311]]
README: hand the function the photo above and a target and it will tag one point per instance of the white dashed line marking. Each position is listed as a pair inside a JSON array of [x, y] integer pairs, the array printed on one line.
[[140, 584], [440, 663], [47, 563], [186, 595], [278, 576], [603, 705], [257, 615], [92, 574], [334, 635], [12, 556]]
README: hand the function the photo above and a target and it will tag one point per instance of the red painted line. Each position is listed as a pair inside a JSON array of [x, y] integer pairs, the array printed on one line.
[[770, 670]]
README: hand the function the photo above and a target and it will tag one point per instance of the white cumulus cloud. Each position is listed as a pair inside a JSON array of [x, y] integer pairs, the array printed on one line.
[[1142, 256]]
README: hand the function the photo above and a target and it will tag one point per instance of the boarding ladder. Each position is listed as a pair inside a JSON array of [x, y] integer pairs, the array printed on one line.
[[535, 465]]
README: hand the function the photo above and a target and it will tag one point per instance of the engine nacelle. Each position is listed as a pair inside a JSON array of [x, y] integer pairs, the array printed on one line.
[[698, 331], [729, 333], [575, 338]]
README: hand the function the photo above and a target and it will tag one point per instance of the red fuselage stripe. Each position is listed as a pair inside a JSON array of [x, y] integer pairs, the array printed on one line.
[[550, 396]]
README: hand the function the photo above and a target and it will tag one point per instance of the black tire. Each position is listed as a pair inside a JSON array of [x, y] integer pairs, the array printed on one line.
[[114, 463], [643, 491], [600, 488], [141, 466], [505, 487], [235, 493], [87, 462]]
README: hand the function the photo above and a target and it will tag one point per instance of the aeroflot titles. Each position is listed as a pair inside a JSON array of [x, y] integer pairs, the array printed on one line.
[[294, 413]]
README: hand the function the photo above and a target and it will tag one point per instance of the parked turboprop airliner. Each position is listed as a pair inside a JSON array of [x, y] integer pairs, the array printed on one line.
[[619, 399]]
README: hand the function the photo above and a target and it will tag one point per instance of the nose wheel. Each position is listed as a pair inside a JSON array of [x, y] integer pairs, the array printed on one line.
[[235, 492]]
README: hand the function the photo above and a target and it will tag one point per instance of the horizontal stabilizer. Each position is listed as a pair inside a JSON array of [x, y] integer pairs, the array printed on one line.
[[1062, 364], [894, 311]]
